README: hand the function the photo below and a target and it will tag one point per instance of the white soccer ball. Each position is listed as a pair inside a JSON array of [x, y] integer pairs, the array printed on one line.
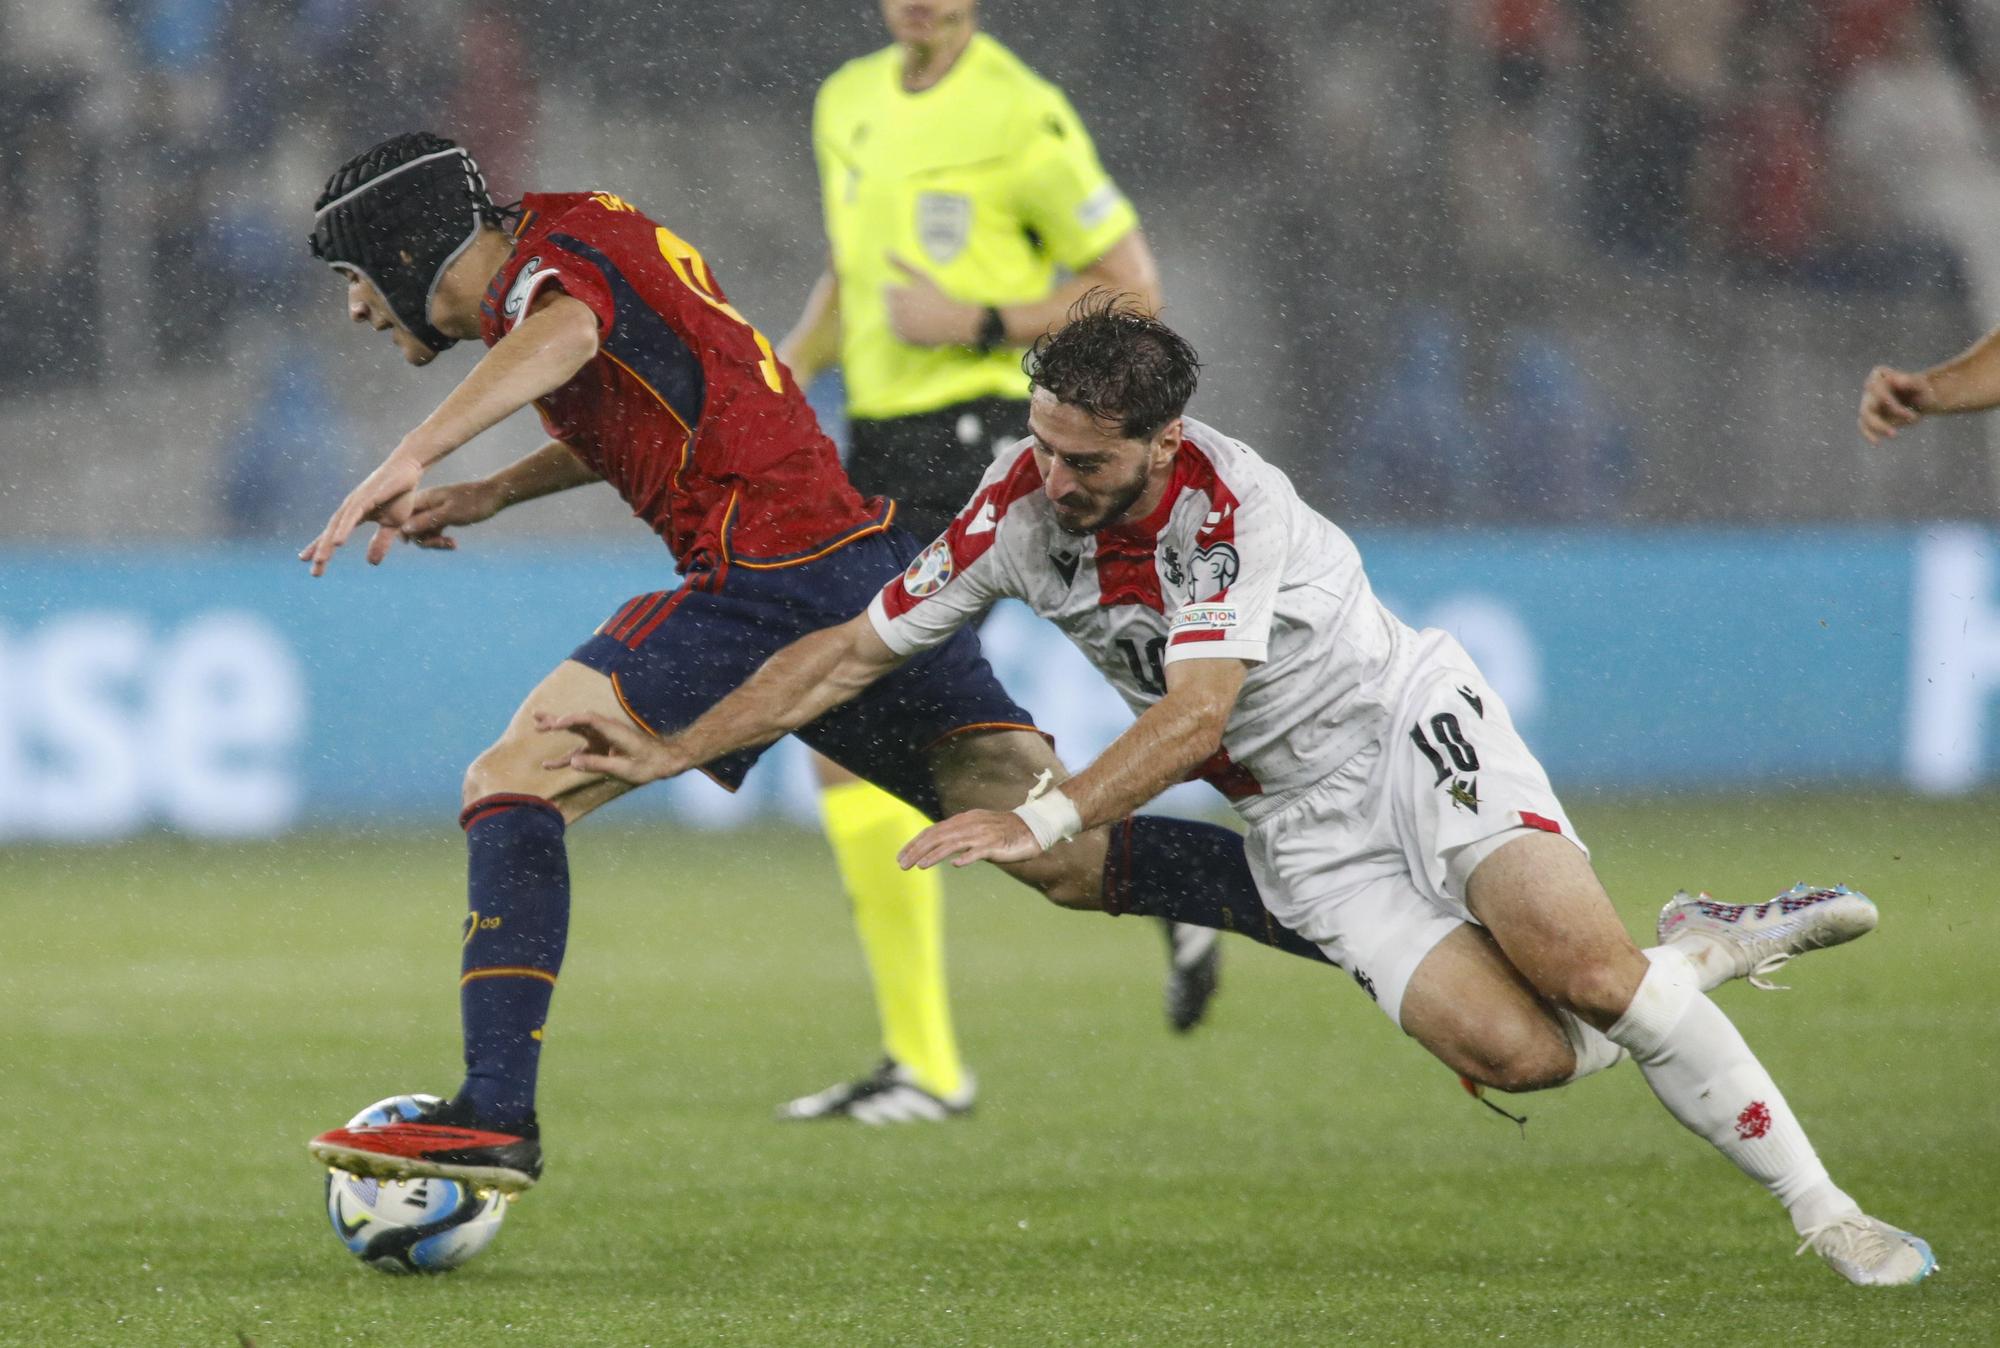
[[410, 1226]]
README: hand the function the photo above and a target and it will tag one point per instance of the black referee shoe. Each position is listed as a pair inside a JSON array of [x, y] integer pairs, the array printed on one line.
[[889, 1094]]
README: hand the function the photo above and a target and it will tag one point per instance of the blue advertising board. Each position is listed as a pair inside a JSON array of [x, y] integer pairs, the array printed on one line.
[[220, 691]]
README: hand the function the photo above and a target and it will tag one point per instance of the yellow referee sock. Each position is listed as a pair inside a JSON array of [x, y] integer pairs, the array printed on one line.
[[899, 916]]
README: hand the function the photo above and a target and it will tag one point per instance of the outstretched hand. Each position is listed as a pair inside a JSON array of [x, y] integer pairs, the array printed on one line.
[[1891, 399], [436, 509], [976, 835], [612, 748], [384, 496]]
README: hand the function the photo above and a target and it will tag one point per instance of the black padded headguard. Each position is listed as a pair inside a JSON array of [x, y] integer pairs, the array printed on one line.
[[399, 214]]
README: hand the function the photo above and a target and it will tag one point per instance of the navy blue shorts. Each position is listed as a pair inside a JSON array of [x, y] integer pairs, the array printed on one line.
[[673, 654]]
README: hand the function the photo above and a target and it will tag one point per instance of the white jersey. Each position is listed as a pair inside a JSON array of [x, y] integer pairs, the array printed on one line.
[[1232, 564]]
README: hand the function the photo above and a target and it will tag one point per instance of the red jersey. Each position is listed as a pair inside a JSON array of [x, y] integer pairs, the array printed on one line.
[[684, 409]]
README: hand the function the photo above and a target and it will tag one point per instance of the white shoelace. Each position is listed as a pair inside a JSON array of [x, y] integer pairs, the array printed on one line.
[[1770, 964], [1852, 1237]]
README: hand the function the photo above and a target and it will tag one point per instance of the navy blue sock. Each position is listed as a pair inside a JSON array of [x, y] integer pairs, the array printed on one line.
[[515, 931], [1193, 873]]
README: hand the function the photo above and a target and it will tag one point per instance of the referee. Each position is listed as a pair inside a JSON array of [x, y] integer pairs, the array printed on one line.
[[966, 210]]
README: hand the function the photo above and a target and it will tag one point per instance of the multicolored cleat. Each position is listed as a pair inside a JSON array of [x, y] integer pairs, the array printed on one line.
[[436, 1144], [1754, 940], [1870, 1253]]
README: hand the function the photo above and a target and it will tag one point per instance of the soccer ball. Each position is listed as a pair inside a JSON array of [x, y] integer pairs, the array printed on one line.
[[409, 1226]]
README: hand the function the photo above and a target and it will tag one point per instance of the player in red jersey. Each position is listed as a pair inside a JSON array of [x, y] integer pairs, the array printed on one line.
[[647, 378]]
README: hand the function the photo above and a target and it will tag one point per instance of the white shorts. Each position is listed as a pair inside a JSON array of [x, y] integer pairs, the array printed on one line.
[[1371, 864]]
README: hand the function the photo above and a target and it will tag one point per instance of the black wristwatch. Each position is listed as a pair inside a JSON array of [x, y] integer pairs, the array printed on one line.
[[992, 331]]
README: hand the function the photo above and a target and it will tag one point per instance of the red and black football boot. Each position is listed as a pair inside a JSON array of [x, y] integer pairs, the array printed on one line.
[[439, 1144]]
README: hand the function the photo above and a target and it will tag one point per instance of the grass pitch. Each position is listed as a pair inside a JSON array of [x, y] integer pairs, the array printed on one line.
[[180, 1018]]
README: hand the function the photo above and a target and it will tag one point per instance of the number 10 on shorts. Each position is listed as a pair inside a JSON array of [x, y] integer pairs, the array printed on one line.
[[1444, 728]]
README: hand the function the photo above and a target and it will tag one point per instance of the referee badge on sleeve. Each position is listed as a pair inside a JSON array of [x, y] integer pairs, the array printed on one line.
[[1096, 208], [944, 224]]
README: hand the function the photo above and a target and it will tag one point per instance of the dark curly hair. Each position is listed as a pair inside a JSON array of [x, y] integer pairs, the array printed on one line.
[[1117, 362]]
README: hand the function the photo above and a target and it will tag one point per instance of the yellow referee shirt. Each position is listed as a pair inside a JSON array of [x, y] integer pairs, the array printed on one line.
[[986, 180]]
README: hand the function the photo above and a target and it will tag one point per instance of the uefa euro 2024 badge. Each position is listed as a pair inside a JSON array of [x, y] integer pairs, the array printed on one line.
[[930, 571]]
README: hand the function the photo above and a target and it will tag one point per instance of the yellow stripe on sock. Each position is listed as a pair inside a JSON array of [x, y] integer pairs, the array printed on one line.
[[509, 971]]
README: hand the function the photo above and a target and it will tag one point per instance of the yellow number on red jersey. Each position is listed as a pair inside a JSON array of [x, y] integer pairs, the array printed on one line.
[[694, 274]]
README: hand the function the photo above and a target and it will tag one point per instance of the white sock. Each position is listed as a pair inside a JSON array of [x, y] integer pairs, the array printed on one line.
[[1594, 1051], [1707, 1077], [1712, 965]]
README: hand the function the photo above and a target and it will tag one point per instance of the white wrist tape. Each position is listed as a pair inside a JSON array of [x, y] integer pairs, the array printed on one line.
[[1049, 814]]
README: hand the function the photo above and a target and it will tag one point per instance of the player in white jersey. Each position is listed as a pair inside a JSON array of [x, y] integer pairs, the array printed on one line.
[[1231, 565], [1397, 819]]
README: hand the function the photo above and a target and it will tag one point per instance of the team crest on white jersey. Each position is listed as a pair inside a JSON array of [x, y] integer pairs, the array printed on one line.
[[930, 572], [1212, 571], [944, 224]]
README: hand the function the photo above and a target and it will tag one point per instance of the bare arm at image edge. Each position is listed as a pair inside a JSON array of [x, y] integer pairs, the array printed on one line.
[[1892, 399]]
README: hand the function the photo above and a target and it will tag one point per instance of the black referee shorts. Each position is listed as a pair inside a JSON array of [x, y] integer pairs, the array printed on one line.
[[931, 462]]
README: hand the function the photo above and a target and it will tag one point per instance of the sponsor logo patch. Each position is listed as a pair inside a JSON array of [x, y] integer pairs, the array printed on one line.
[[930, 572], [1205, 618], [519, 293]]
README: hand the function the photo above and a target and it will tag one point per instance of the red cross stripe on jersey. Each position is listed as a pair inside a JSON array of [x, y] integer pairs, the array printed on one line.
[[975, 529], [1226, 775], [1127, 566], [1127, 572]]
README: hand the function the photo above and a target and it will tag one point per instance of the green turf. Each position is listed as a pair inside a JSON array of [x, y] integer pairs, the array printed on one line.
[[178, 1019]]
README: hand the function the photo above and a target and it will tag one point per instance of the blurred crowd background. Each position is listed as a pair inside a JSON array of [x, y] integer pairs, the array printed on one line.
[[1472, 261]]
